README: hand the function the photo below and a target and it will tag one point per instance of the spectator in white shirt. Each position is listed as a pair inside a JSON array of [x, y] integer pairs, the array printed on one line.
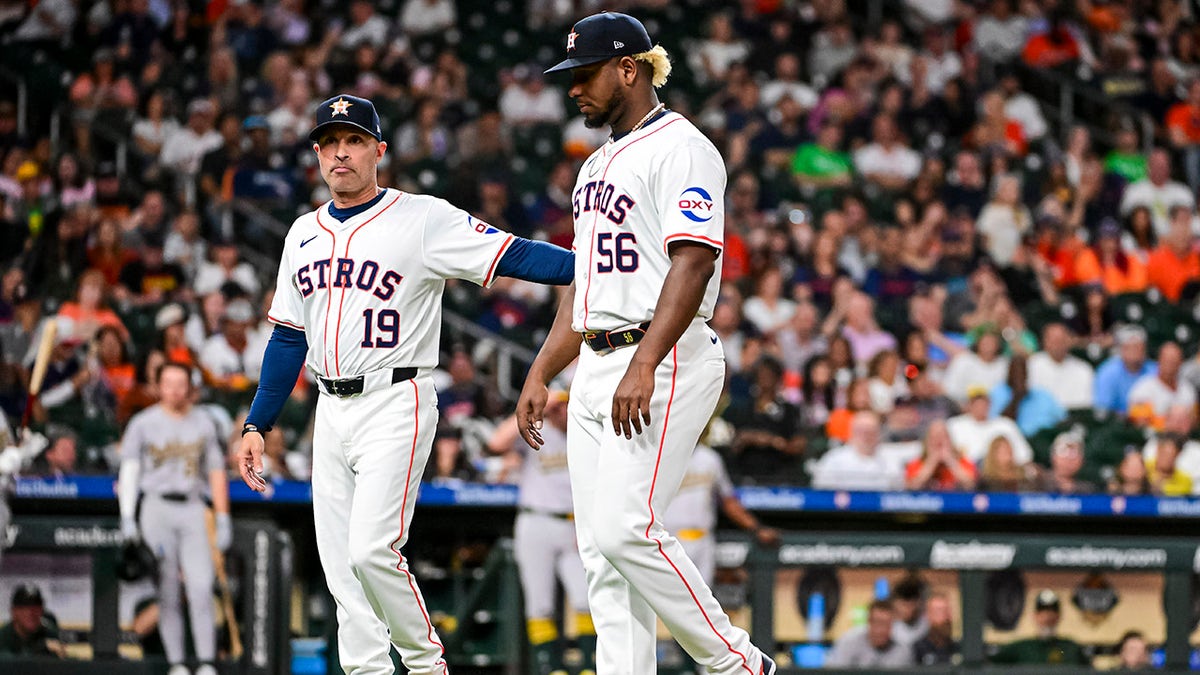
[[225, 267], [1180, 422], [1069, 379], [767, 309], [224, 356], [1004, 220], [721, 50], [858, 465], [942, 64], [983, 366], [1157, 192], [1153, 395], [49, 20], [973, 431], [184, 246], [425, 17], [527, 99], [183, 149], [366, 27], [787, 83], [887, 161], [1023, 108], [833, 48], [1000, 32]]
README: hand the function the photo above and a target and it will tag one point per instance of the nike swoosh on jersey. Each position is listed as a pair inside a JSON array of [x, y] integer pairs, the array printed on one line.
[[308, 240]]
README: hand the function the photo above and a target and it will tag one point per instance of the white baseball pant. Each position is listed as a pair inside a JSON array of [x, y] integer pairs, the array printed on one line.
[[545, 549], [635, 568], [369, 453]]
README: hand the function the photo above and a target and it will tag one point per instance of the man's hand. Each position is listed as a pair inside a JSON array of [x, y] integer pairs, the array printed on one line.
[[768, 536], [530, 406], [631, 400], [250, 461]]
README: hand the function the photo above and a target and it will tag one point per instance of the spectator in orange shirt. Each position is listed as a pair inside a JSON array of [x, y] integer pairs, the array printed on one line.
[[941, 466], [87, 312], [858, 398], [1052, 48], [1175, 261], [1183, 131], [1059, 248], [1107, 264]]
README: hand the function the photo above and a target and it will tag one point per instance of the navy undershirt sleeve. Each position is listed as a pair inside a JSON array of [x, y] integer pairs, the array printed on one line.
[[281, 366], [537, 261]]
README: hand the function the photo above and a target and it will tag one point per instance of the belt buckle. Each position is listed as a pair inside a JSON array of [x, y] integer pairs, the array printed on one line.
[[341, 388]]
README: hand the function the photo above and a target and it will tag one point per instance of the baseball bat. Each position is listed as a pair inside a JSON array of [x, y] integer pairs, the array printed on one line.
[[231, 624], [40, 364]]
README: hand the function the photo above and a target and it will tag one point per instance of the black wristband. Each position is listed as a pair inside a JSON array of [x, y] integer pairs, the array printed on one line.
[[247, 428]]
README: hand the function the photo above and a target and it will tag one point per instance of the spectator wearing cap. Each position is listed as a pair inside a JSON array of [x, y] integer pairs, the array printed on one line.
[[972, 432], [259, 174], [224, 356], [1154, 394], [32, 631], [1047, 647], [183, 150], [33, 209], [1069, 379], [225, 267], [1066, 461], [526, 100], [1157, 192], [1107, 264], [858, 465], [1117, 375], [1175, 262], [872, 646], [1033, 409], [1183, 131]]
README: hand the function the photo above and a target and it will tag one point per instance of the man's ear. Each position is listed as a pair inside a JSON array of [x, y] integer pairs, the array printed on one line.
[[628, 68], [380, 150]]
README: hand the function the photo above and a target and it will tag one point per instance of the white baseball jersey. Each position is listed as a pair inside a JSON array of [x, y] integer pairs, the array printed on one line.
[[545, 481], [695, 505], [662, 183], [368, 291]]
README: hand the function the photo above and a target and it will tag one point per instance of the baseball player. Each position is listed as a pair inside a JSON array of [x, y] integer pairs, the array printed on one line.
[[649, 227], [692, 515], [171, 461], [358, 301], [544, 539]]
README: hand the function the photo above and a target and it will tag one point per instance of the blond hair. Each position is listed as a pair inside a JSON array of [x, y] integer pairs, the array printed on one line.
[[660, 64]]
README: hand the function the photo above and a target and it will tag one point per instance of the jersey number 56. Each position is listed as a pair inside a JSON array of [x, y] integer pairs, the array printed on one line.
[[616, 252]]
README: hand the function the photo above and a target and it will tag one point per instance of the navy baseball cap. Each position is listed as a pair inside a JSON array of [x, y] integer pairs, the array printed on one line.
[[602, 36], [347, 109]]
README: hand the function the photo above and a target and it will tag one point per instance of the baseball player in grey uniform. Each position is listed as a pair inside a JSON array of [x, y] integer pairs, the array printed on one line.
[[358, 301], [171, 458], [544, 539]]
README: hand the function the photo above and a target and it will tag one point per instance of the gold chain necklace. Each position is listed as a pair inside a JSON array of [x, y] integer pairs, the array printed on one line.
[[657, 109]]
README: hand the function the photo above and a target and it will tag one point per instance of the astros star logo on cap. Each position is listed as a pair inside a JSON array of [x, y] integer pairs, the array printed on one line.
[[571, 39], [341, 107]]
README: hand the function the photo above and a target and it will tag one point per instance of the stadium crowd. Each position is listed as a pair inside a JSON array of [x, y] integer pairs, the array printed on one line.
[[932, 280]]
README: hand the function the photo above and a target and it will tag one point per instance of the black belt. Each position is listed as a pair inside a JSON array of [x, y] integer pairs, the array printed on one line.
[[605, 341], [552, 514], [353, 386], [175, 496]]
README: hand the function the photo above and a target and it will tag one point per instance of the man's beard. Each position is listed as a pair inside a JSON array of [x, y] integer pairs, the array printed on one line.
[[604, 116]]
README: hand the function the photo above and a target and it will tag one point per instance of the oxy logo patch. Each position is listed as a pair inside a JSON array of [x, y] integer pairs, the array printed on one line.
[[696, 204]]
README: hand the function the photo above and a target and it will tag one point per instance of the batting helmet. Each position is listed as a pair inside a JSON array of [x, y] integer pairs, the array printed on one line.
[[136, 561]]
